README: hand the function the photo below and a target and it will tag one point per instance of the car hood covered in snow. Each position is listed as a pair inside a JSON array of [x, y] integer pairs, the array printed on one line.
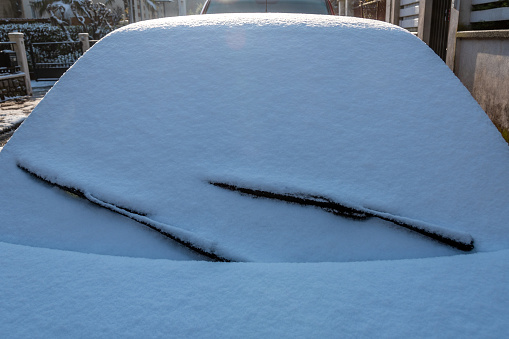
[[203, 128]]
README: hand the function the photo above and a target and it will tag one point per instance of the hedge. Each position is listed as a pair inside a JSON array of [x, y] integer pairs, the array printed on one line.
[[40, 32], [45, 32]]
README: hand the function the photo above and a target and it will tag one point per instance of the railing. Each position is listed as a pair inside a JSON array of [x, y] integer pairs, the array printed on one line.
[[409, 14], [51, 59], [490, 14]]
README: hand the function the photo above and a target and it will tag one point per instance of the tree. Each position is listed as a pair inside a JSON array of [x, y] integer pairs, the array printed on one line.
[[98, 15], [95, 18]]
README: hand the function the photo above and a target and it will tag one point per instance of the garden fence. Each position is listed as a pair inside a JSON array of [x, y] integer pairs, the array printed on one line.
[[371, 9], [50, 60]]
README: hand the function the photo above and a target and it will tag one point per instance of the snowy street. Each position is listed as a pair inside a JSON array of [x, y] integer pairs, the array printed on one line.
[[14, 111]]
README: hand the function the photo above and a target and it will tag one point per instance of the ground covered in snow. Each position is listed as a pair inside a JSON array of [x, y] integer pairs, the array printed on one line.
[[306, 106], [13, 112]]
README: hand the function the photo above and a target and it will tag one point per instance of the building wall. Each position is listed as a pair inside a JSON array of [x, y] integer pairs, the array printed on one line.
[[9, 9], [480, 59], [482, 65], [28, 11]]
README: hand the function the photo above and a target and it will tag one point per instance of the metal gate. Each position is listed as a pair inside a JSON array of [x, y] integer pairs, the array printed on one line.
[[439, 31], [49, 60], [371, 9]]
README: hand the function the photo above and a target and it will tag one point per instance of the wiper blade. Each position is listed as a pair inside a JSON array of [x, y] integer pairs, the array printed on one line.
[[183, 237], [456, 239], [300, 199]]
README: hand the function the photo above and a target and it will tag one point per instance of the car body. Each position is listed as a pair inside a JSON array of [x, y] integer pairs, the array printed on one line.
[[349, 182], [268, 6]]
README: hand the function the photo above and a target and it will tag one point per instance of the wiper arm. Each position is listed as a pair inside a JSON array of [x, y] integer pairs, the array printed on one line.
[[459, 240]]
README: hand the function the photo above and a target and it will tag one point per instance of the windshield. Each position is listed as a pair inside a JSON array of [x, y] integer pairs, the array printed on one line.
[[273, 6], [250, 160]]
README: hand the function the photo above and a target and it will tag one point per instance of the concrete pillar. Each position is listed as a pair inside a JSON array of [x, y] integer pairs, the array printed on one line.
[[182, 7], [85, 43], [21, 54]]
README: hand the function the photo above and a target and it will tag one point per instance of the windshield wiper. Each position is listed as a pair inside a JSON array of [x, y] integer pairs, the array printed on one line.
[[183, 237], [459, 240]]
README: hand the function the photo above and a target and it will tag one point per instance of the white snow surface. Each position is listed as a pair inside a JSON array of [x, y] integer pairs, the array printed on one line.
[[55, 294], [357, 111]]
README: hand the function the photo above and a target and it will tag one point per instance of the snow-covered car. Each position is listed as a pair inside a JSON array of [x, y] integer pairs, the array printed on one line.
[[268, 6], [348, 181]]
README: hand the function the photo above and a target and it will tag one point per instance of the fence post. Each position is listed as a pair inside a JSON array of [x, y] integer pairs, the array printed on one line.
[[451, 36], [423, 31], [349, 7], [21, 54], [392, 11], [182, 7], [85, 43], [341, 7]]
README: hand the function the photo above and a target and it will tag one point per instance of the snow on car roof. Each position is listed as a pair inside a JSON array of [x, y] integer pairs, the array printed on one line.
[[352, 111]]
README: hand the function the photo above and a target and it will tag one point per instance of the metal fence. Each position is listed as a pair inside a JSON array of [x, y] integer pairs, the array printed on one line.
[[489, 14], [439, 30], [49, 60], [371, 9]]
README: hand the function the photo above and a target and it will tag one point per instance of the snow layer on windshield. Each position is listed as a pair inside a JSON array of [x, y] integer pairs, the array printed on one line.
[[354, 110]]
